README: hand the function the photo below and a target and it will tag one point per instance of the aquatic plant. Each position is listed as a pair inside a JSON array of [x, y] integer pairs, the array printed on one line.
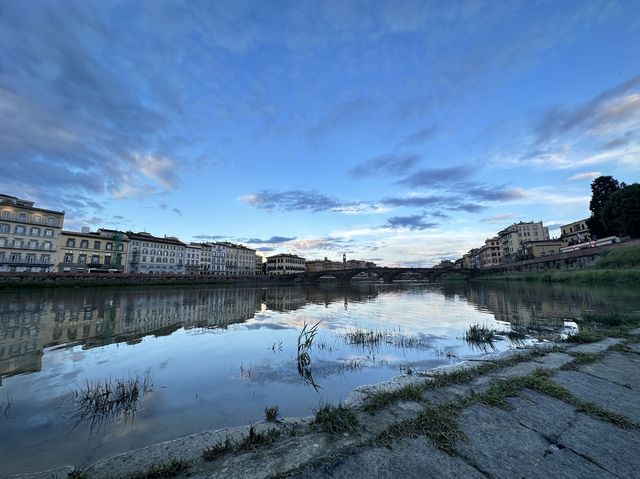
[[271, 413], [479, 334], [305, 342], [110, 399]]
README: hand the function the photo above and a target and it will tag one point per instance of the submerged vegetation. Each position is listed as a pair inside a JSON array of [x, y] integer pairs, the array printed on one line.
[[305, 343], [109, 400], [372, 338], [479, 334]]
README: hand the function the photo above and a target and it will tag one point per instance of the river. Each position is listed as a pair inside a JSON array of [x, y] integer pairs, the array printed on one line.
[[211, 357]]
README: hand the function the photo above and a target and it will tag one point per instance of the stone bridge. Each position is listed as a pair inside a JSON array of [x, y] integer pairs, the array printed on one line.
[[388, 275]]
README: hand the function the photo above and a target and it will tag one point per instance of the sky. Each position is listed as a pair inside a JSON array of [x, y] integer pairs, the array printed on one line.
[[401, 132]]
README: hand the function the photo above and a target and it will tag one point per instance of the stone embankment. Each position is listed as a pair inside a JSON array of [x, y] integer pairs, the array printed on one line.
[[560, 411], [572, 260]]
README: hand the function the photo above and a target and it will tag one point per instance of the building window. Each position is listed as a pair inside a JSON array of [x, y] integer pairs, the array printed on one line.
[[51, 221], [33, 244], [16, 257], [108, 246], [68, 258], [35, 231], [95, 259], [107, 260], [6, 215], [48, 233], [31, 258], [4, 228], [71, 243], [48, 245], [45, 258], [84, 244], [96, 245], [82, 259], [20, 230]]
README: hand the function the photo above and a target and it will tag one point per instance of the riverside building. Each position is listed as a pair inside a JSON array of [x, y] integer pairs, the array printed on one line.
[[29, 236], [240, 260], [285, 264], [154, 255], [512, 238], [85, 251]]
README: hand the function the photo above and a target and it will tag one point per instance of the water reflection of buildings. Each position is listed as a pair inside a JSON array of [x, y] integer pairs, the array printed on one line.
[[31, 322]]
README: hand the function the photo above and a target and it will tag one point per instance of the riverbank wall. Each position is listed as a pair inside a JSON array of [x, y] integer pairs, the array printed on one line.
[[71, 280], [571, 261]]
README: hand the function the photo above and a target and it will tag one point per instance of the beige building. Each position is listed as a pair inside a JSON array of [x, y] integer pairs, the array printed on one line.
[[240, 260], [490, 254], [324, 265], [29, 236], [285, 264], [154, 255], [537, 249], [85, 251], [193, 253], [512, 238], [471, 259], [575, 233]]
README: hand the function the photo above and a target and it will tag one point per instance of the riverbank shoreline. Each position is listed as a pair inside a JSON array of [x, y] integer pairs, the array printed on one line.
[[476, 396]]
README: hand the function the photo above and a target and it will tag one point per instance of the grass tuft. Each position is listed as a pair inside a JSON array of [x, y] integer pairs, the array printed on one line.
[[78, 473], [479, 334], [250, 442], [336, 419], [161, 471], [271, 413], [408, 392]]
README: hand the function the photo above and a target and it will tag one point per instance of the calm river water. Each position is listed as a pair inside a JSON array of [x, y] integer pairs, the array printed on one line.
[[212, 357]]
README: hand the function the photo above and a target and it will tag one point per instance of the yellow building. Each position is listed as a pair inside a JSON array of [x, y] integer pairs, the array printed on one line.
[[538, 249], [285, 264], [575, 233], [29, 236], [85, 251]]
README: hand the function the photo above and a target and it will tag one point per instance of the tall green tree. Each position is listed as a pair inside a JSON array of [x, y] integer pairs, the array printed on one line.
[[601, 190], [621, 212]]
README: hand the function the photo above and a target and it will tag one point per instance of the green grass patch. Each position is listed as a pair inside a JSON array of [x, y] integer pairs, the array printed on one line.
[[78, 473], [336, 419], [408, 392], [252, 441], [438, 423], [624, 257], [161, 471]]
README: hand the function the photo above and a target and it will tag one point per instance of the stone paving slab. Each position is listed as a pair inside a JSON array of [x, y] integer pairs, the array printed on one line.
[[412, 458], [595, 348], [622, 369], [503, 448], [606, 445], [605, 394]]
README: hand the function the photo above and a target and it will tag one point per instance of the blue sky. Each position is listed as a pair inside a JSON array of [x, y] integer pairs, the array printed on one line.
[[401, 132]]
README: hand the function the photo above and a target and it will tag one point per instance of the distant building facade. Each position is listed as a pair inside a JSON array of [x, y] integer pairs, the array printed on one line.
[[512, 238], [218, 259], [280, 264], [490, 253], [575, 233], [538, 249], [260, 266], [83, 251], [29, 236], [240, 260], [150, 254], [193, 252]]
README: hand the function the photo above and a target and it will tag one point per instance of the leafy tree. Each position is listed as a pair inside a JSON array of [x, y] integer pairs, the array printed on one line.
[[601, 189], [621, 213]]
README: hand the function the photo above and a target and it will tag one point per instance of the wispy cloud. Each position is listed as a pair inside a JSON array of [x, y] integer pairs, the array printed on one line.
[[585, 176], [272, 240], [388, 165], [497, 219], [413, 222]]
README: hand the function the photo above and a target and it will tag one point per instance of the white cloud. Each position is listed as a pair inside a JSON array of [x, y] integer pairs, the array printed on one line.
[[584, 176]]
